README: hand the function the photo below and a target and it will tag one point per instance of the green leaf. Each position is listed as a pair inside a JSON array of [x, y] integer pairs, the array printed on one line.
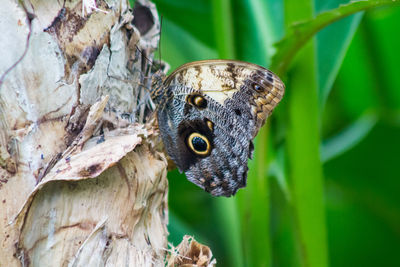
[[332, 44], [299, 33], [187, 15], [379, 28], [189, 48], [348, 138], [363, 201]]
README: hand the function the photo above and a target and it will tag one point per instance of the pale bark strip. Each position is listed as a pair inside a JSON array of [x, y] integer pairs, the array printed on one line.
[[79, 186]]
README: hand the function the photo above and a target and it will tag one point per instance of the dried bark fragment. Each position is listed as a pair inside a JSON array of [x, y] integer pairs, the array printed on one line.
[[191, 253]]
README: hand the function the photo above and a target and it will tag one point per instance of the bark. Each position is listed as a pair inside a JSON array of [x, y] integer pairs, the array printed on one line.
[[82, 171], [82, 178]]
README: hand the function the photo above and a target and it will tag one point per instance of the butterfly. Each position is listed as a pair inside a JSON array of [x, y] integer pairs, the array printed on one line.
[[208, 113]]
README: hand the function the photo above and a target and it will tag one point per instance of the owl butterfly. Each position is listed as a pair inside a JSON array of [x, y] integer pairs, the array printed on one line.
[[208, 113]]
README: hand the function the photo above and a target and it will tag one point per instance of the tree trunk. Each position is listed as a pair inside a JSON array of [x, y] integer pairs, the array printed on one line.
[[82, 181]]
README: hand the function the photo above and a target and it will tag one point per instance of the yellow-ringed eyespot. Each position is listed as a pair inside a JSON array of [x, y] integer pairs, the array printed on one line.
[[199, 144]]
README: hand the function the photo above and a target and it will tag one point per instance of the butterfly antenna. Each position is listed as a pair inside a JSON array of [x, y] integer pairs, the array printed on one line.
[[144, 55], [159, 41]]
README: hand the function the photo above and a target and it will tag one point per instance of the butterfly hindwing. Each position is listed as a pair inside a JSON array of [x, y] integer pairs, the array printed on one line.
[[209, 112]]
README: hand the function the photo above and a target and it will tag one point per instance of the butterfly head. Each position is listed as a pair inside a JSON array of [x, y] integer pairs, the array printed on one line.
[[157, 90]]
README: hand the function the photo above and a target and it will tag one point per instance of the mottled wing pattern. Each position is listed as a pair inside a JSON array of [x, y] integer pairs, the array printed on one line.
[[209, 112]]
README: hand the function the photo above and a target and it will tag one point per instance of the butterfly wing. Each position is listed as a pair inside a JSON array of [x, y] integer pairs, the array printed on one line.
[[209, 113]]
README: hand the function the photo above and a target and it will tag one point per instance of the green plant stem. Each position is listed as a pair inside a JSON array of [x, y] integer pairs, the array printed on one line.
[[256, 211], [303, 140], [227, 208], [223, 28]]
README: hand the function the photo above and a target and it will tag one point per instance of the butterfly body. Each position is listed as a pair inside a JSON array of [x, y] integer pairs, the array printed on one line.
[[208, 114]]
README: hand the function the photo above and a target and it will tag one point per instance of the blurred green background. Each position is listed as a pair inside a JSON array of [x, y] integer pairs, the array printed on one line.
[[323, 187]]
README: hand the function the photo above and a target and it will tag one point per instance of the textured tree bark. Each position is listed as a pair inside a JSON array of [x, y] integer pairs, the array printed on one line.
[[82, 179]]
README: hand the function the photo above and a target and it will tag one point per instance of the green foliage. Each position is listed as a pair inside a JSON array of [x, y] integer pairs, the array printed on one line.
[[323, 185]]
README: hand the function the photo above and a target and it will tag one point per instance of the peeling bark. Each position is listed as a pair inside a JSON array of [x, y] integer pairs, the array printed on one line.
[[82, 181]]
